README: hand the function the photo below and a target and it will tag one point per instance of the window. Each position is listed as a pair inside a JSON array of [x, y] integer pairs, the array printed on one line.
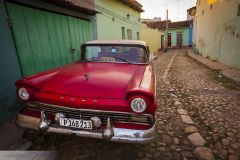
[[129, 34], [123, 33], [138, 37], [115, 54], [238, 14]]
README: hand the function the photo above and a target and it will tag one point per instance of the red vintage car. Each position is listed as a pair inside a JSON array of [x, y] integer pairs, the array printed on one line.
[[109, 93]]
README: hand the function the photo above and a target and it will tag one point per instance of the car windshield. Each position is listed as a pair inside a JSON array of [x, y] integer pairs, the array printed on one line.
[[111, 53]]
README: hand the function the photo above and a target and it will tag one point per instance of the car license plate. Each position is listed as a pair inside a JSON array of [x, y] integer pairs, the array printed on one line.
[[76, 123]]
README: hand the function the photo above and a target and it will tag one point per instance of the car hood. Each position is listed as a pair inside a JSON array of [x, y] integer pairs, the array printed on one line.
[[92, 79]]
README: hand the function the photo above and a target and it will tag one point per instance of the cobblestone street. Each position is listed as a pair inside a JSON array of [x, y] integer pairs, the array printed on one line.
[[198, 117]]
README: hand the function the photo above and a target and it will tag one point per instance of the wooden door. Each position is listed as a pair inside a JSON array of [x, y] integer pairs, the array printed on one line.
[[45, 40], [179, 39], [169, 40]]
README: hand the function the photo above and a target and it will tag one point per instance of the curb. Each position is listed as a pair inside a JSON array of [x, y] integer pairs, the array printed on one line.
[[223, 70]]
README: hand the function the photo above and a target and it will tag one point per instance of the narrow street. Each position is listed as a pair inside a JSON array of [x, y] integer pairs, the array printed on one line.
[[89, 68], [198, 116]]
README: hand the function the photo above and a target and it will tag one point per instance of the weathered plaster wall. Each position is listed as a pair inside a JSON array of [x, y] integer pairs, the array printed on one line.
[[110, 29], [151, 36], [194, 32], [218, 30]]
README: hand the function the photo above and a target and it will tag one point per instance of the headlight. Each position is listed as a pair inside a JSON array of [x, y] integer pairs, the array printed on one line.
[[23, 93], [138, 105]]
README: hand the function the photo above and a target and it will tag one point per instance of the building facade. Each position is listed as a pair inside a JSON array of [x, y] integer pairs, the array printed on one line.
[[118, 19], [191, 12], [151, 36], [38, 35], [217, 30], [179, 33]]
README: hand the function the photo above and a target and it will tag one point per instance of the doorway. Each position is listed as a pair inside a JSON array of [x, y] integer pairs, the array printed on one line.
[[162, 41], [169, 40], [179, 39]]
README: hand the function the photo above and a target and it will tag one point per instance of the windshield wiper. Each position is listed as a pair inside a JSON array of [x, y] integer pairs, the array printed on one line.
[[99, 60], [122, 59]]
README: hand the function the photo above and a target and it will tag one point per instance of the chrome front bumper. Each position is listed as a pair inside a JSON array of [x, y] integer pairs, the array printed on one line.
[[119, 134]]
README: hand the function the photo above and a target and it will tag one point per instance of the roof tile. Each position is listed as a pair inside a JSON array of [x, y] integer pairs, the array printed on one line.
[[161, 25], [86, 6]]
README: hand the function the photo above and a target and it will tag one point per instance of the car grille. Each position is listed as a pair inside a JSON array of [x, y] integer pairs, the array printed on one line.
[[119, 117]]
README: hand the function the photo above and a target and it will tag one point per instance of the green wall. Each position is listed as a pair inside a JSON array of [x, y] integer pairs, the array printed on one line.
[[10, 56], [185, 33], [44, 39], [113, 17]]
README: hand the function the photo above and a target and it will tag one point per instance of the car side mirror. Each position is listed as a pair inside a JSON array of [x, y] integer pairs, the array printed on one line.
[[153, 57]]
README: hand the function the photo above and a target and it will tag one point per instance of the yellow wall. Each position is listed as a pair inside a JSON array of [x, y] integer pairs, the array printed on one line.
[[217, 31], [151, 36]]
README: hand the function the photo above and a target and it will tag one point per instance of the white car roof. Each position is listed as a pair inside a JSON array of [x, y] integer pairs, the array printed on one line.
[[137, 42]]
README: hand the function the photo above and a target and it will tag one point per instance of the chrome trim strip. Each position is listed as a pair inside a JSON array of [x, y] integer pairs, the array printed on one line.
[[118, 62], [120, 134], [118, 121], [75, 109]]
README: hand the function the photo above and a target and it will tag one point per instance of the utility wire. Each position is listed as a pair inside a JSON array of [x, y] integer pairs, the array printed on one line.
[[119, 9], [113, 14], [166, 3], [101, 9], [109, 14], [119, 21], [123, 23]]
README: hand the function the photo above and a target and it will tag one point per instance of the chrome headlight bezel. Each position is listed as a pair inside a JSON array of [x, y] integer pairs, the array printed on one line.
[[138, 105], [23, 94]]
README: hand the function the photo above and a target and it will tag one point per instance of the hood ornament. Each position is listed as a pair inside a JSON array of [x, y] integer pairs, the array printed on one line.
[[86, 76]]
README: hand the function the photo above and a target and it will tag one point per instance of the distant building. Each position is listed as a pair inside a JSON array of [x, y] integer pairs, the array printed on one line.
[[118, 19], [179, 33], [217, 25], [155, 19], [191, 13], [151, 36]]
